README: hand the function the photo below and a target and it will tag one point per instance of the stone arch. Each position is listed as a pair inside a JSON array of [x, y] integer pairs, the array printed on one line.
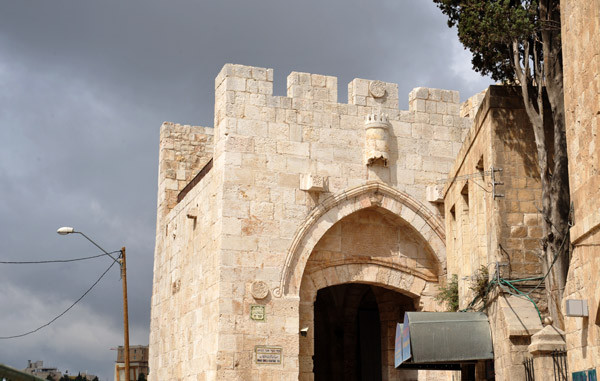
[[416, 294], [338, 206], [376, 274]]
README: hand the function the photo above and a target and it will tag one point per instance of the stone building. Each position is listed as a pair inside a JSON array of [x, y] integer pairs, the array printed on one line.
[[298, 223], [293, 235], [581, 56], [493, 225], [38, 369], [138, 363]]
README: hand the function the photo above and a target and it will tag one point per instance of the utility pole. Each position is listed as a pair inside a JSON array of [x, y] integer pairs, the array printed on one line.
[[125, 313], [121, 260]]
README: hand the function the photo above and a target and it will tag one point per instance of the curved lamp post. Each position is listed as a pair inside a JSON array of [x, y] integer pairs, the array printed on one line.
[[121, 260]]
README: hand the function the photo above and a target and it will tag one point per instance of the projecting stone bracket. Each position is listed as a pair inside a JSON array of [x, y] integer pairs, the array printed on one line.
[[435, 193], [313, 183]]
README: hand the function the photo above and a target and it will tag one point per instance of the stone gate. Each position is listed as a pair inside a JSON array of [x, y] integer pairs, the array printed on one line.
[[290, 206]]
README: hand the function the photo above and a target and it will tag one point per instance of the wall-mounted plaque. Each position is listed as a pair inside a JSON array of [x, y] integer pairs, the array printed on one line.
[[257, 312], [266, 355]]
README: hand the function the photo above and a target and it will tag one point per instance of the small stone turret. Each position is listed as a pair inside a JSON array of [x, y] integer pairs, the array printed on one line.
[[377, 149]]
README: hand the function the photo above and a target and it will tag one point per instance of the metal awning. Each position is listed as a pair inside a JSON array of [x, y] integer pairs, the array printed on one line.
[[444, 338]]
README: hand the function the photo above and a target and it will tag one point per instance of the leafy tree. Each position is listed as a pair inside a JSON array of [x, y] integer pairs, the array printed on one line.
[[518, 42], [95, 379], [50, 378], [141, 377]]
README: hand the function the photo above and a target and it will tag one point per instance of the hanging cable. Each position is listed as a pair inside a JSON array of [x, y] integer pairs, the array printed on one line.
[[65, 311], [56, 260]]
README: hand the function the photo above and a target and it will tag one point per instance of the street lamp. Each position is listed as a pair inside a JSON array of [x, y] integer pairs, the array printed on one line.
[[121, 261]]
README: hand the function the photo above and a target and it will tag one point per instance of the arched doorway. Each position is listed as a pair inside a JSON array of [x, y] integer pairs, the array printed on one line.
[[364, 272], [354, 326]]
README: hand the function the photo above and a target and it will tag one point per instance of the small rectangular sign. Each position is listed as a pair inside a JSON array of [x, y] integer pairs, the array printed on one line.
[[257, 312], [268, 355]]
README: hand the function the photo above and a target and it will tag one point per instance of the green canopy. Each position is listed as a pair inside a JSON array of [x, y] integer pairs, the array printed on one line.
[[449, 337]]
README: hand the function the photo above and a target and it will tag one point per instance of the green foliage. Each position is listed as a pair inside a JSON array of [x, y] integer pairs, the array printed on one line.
[[448, 294], [480, 282], [50, 378], [488, 27], [141, 377]]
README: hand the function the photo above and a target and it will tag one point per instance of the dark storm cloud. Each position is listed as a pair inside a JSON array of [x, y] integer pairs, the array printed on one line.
[[84, 87]]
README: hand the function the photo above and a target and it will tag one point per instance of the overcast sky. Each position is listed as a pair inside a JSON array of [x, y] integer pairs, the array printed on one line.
[[84, 88]]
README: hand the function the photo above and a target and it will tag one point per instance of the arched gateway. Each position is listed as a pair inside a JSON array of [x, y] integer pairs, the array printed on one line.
[[297, 211], [358, 262]]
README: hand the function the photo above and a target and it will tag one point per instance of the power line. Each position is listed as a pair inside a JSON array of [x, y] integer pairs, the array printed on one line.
[[56, 260], [65, 311], [468, 176]]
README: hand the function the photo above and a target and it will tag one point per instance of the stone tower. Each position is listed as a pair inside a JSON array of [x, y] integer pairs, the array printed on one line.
[[291, 211]]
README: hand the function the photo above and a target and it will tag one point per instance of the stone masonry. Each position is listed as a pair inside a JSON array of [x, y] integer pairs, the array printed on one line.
[[255, 217], [290, 200], [581, 58], [492, 221]]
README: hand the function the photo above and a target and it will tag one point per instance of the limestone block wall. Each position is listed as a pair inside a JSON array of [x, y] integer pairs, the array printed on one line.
[[487, 224], [497, 227], [185, 287], [252, 203], [581, 63], [514, 321], [186, 290], [183, 149]]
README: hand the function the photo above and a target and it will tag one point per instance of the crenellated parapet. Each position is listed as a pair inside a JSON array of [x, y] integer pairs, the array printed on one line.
[[235, 207]]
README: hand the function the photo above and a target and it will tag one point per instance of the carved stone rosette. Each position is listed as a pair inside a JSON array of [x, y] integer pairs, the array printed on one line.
[[377, 149], [259, 290]]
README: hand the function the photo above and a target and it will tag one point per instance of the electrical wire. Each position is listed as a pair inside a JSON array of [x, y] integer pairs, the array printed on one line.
[[466, 177], [65, 311], [56, 260], [480, 186]]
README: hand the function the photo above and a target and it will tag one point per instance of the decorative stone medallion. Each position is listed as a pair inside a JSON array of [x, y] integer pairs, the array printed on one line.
[[259, 289], [377, 89]]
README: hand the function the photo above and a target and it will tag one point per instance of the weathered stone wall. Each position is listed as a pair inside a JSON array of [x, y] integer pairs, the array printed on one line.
[[281, 165], [185, 287], [487, 224], [183, 149], [500, 232], [581, 63]]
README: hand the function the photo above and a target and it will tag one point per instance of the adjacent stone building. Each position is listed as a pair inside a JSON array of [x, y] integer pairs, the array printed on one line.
[[493, 225], [581, 55], [138, 363]]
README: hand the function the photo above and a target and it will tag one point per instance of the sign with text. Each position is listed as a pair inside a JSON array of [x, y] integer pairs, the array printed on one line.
[[266, 355], [257, 312]]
